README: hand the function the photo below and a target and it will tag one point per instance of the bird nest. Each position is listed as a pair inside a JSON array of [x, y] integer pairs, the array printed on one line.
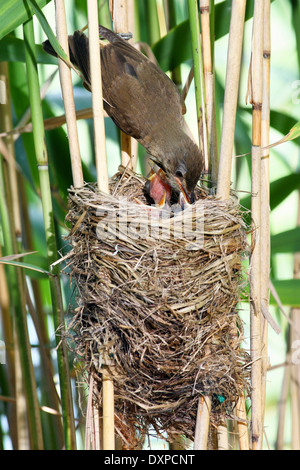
[[157, 295]]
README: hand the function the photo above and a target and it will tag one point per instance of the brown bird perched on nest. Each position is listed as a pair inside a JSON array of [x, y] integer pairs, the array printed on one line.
[[145, 104]]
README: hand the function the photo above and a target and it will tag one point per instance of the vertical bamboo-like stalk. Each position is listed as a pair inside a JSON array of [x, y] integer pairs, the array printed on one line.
[[206, 46], [198, 78], [202, 423], [92, 424], [242, 424], [204, 403], [108, 413], [282, 405], [54, 280], [120, 22], [234, 56], [25, 441], [222, 437], [212, 165], [255, 266], [209, 81], [97, 99], [134, 145], [102, 179], [67, 93], [265, 193], [131, 17]]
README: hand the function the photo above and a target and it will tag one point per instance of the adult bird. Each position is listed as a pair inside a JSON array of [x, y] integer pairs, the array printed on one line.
[[145, 104]]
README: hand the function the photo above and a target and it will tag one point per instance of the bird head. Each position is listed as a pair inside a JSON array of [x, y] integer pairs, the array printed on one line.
[[183, 170]]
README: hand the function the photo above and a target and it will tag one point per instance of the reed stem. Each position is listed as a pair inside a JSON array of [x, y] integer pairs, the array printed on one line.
[[265, 193], [120, 22], [202, 423], [97, 98], [222, 437], [108, 413], [102, 179], [242, 424], [255, 266], [209, 80], [198, 78], [234, 56], [282, 405], [68, 97]]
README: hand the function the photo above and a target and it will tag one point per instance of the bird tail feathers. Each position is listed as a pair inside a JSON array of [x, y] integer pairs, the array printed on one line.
[[79, 53]]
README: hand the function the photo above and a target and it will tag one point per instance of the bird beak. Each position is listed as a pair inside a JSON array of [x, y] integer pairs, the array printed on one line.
[[152, 175], [162, 202], [184, 198]]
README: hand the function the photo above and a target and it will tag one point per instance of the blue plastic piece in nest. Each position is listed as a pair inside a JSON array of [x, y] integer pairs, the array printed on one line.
[[219, 398]]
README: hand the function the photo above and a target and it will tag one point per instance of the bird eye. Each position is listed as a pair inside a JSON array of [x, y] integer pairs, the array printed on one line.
[[179, 174]]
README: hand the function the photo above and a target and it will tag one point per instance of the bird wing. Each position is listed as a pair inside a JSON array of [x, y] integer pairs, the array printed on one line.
[[79, 55], [139, 93]]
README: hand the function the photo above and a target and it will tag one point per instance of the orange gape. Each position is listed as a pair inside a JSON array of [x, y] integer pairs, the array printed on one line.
[[160, 189]]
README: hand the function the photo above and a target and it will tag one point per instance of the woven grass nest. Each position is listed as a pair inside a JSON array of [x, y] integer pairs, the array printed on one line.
[[157, 299]]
